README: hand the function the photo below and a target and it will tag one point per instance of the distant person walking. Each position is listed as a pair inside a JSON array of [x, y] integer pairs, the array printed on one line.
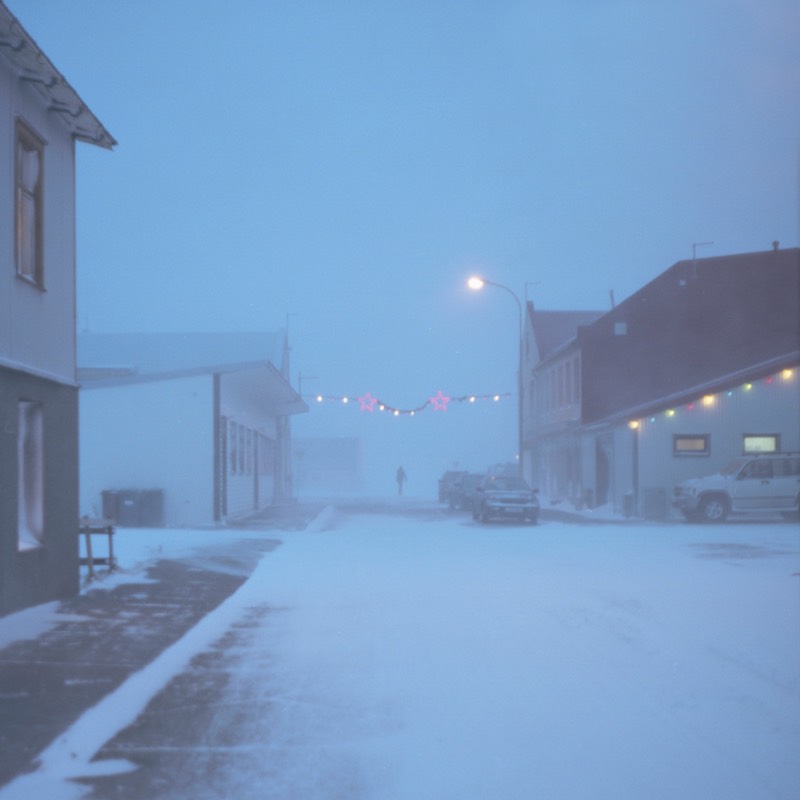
[[401, 479]]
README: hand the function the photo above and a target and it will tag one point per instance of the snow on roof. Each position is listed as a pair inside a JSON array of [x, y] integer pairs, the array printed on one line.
[[147, 355]]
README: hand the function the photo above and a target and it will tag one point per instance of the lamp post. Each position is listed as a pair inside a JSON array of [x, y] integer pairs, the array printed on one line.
[[476, 284]]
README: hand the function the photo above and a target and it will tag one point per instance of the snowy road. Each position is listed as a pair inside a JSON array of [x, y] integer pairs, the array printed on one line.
[[399, 658]]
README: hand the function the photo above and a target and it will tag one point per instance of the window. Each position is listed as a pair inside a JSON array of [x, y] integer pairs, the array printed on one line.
[[29, 205], [761, 443], [266, 456], [786, 467], [232, 447], [248, 458], [756, 470], [691, 444], [620, 328], [30, 461]]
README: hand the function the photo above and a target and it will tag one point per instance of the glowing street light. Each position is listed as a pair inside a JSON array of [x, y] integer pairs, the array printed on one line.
[[477, 283]]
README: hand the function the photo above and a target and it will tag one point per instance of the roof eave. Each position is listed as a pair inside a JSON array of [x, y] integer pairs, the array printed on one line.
[[34, 67]]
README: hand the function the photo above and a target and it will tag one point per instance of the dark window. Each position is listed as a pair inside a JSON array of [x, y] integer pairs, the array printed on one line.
[[757, 469], [233, 440], [29, 205], [786, 467]]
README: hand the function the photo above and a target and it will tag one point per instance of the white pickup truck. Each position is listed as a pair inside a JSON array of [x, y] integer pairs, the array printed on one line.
[[748, 484]]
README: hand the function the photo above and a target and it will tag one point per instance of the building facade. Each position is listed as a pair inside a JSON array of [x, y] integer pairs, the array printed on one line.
[[184, 429], [697, 367], [41, 117]]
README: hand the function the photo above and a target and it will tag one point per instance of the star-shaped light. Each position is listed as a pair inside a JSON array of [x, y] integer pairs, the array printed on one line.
[[367, 402], [439, 401]]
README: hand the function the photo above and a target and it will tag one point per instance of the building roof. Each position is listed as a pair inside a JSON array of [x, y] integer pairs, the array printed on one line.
[[553, 329], [150, 355], [34, 67], [248, 359], [700, 323]]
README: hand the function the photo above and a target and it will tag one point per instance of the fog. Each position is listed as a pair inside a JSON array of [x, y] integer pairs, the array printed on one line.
[[343, 167]]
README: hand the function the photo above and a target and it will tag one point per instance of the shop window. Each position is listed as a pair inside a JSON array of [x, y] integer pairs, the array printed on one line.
[[690, 445], [30, 486], [761, 443]]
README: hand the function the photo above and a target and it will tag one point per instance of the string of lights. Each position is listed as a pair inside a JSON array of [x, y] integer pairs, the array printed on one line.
[[710, 401], [438, 402]]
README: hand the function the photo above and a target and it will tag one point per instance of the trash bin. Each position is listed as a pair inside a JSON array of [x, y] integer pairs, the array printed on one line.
[[134, 508], [109, 498], [129, 508], [151, 508]]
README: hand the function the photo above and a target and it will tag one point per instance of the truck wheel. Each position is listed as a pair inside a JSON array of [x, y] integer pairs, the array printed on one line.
[[714, 508], [484, 515]]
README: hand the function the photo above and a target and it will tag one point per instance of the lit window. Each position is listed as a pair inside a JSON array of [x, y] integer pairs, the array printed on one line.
[[691, 444], [29, 205], [761, 443], [30, 460]]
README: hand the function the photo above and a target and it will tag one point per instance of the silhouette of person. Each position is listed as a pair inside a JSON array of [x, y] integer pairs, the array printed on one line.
[[401, 479]]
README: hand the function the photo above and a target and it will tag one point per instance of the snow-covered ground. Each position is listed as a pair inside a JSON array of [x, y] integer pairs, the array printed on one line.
[[407, 657]]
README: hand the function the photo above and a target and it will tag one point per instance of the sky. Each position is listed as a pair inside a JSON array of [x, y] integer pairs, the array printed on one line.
[[343, 167], [396, 658]]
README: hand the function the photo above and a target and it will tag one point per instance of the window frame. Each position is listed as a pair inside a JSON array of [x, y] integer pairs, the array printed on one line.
[[30, 475], [677, 452], [776, 438], [27, 139]]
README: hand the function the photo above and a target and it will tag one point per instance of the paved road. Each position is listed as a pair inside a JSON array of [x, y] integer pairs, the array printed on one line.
[[423, 655]]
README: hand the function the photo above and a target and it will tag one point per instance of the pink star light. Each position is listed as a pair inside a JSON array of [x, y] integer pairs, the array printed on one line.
[[367, 402], [439, 402]]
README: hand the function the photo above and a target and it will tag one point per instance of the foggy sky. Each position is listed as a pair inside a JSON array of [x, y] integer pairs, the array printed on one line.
[[351, 163]]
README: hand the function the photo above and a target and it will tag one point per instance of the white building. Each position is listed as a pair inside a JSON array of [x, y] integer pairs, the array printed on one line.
[[41, 117], [184, 429]]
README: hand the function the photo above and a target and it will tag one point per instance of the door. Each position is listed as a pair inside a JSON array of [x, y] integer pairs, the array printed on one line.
[[785, 482], [752, 490]]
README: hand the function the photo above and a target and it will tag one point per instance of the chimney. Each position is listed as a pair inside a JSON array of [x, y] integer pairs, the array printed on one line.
[[775, 244]]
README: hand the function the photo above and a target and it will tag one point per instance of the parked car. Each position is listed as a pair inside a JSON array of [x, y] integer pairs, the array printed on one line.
[[447, 481], [505, 496], [462, 491], [748, 484]]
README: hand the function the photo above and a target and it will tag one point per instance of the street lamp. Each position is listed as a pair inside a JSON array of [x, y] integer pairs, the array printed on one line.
[[477, 283]]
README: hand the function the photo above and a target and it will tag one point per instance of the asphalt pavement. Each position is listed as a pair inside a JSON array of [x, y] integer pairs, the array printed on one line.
[[107, 634], [47, 683]]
